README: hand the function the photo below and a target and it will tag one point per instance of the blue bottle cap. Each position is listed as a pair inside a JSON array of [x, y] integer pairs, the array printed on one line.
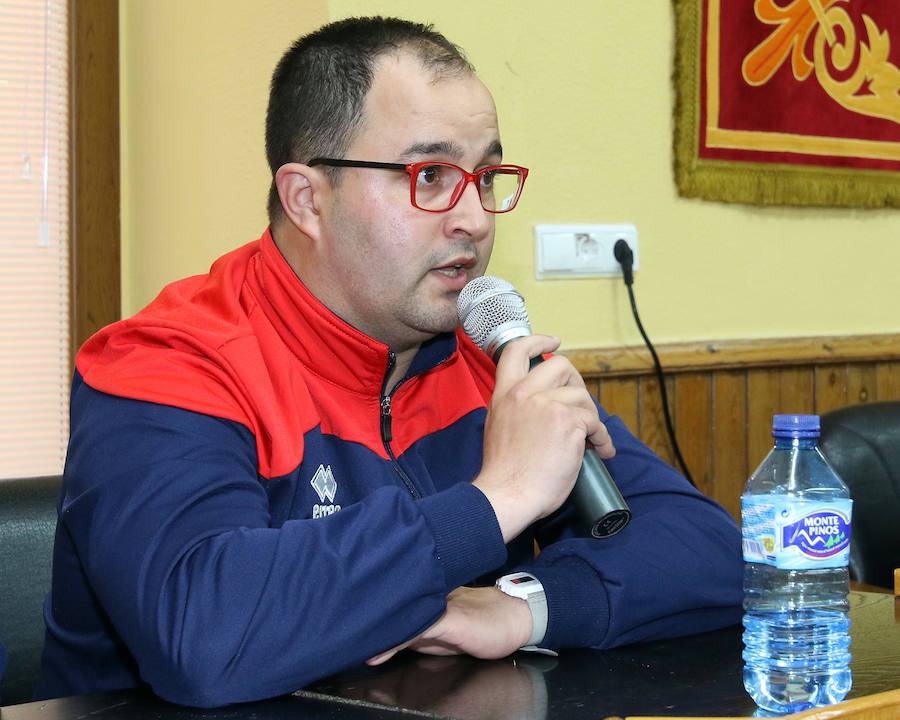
[[795, 426]]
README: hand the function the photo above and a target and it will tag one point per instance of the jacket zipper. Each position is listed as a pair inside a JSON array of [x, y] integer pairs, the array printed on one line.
[[387, 432]]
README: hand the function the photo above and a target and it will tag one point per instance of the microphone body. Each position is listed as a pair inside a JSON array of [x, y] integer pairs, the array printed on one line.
[[493, 314]]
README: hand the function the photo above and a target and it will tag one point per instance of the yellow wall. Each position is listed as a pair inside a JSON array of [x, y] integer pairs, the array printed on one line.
[[194, 84], [585, 97]]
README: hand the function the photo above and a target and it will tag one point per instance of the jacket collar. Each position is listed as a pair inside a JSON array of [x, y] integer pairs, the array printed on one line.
[[323, 342]]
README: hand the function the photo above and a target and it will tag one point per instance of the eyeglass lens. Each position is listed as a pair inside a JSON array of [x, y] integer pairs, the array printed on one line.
[[437, 187]]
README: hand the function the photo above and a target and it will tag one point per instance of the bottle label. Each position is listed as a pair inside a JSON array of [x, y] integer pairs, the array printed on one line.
[[791, 535]]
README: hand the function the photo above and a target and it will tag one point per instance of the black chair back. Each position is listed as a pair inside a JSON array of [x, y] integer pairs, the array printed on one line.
[[27, 528], [862, 442]]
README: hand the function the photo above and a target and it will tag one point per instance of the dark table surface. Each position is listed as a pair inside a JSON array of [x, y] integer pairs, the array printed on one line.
[[696, 675]]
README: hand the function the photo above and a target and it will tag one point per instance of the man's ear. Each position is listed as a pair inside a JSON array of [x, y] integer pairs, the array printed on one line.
[[301, 190]]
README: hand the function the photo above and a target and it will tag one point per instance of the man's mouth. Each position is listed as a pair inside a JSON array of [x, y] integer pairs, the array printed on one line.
[[457, 267], [452, 270]]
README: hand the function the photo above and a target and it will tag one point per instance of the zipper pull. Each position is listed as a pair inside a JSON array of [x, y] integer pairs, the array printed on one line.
[[386, 419]]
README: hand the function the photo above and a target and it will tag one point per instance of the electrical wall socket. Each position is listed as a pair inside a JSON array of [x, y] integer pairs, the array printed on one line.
[[572, 251]]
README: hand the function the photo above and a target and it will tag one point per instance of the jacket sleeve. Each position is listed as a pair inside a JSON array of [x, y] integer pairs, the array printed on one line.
[[171, 526], [675, 569]]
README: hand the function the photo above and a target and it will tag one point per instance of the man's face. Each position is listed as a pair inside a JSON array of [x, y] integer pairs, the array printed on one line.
[[398, 270]]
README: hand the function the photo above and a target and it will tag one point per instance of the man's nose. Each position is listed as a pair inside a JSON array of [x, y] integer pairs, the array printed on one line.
[[468, 215]]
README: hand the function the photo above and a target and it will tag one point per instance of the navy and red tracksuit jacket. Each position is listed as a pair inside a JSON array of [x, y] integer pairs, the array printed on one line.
[[246, 509]]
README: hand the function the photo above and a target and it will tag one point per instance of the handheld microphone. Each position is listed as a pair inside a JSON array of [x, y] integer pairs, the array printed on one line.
[[493, 314]]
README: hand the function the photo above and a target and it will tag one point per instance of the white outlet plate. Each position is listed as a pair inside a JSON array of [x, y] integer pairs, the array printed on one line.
[[573, 251]]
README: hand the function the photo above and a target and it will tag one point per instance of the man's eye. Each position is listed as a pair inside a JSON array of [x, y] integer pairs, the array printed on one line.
[[487, 178], [429, 175]]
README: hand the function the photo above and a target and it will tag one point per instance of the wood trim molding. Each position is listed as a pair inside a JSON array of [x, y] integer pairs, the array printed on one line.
[[735, 354], [94, 198]]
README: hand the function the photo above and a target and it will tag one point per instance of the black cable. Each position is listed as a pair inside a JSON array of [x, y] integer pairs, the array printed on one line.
[[626, 258]]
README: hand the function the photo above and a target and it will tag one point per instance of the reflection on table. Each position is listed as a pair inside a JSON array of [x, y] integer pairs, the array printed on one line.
[[696, 675]]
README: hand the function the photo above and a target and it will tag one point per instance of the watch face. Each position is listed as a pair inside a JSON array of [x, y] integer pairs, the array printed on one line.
[[522, 579]]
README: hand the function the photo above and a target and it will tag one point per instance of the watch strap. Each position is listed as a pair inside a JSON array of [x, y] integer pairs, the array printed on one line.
[[529, 588]]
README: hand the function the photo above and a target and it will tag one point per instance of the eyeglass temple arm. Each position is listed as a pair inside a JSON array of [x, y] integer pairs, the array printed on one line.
[[356, 163]]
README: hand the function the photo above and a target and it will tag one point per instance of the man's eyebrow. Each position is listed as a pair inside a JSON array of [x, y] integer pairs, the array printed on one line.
[[448, 149], [441, 147]]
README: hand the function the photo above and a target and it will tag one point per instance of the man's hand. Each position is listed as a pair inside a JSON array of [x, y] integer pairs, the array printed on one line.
[[482, 622], [535, 433]]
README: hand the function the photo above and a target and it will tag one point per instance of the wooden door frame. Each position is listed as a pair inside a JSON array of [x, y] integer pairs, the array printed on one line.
[[95, 257]]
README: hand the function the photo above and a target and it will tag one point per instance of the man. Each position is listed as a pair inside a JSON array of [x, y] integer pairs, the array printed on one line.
[[298, 463]]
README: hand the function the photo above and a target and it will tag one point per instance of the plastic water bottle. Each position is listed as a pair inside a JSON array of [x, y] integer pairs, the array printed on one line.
[[795, 514]]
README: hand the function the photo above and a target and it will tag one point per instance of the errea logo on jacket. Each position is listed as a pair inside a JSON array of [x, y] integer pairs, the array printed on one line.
[[325, 485]]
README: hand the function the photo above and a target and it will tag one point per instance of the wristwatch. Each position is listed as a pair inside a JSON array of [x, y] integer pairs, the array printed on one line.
[[529, 588]]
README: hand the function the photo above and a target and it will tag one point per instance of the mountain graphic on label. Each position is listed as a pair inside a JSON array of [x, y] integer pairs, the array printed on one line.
[[821, 534]]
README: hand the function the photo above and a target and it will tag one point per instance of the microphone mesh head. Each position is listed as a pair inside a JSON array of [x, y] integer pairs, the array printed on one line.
[[492, 312]]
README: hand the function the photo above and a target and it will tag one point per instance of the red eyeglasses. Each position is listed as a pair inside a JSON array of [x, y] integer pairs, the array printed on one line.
[[438, 186]]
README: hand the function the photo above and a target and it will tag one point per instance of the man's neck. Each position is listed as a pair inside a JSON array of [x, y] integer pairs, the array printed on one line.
[[402, 360], [285, 238]]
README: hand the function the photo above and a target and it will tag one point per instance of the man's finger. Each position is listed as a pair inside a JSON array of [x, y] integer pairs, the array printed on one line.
[[515, 360], [386, 655]]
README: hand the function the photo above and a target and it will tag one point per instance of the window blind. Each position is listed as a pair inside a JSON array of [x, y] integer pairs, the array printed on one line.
[[34, 242]]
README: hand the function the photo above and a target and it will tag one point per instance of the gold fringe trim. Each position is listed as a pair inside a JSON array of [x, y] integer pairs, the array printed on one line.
[[748, 182]]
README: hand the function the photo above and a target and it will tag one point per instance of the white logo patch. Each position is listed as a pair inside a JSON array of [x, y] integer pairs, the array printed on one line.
[[324, 484]]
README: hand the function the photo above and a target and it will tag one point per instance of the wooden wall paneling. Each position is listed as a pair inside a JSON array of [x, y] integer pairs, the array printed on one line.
[[861, 383], [831, 387], [733, 354], [693, 426], [887, 382], [651, 420], [619, 396], [797, 392], [593, 386], [729, 439], [763, 401], [723, 395]]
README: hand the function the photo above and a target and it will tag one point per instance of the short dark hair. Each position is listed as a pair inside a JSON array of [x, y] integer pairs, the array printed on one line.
[[319, 86]]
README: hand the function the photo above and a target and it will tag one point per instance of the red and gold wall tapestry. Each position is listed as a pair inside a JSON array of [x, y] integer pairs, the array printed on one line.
[[792, 102]]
